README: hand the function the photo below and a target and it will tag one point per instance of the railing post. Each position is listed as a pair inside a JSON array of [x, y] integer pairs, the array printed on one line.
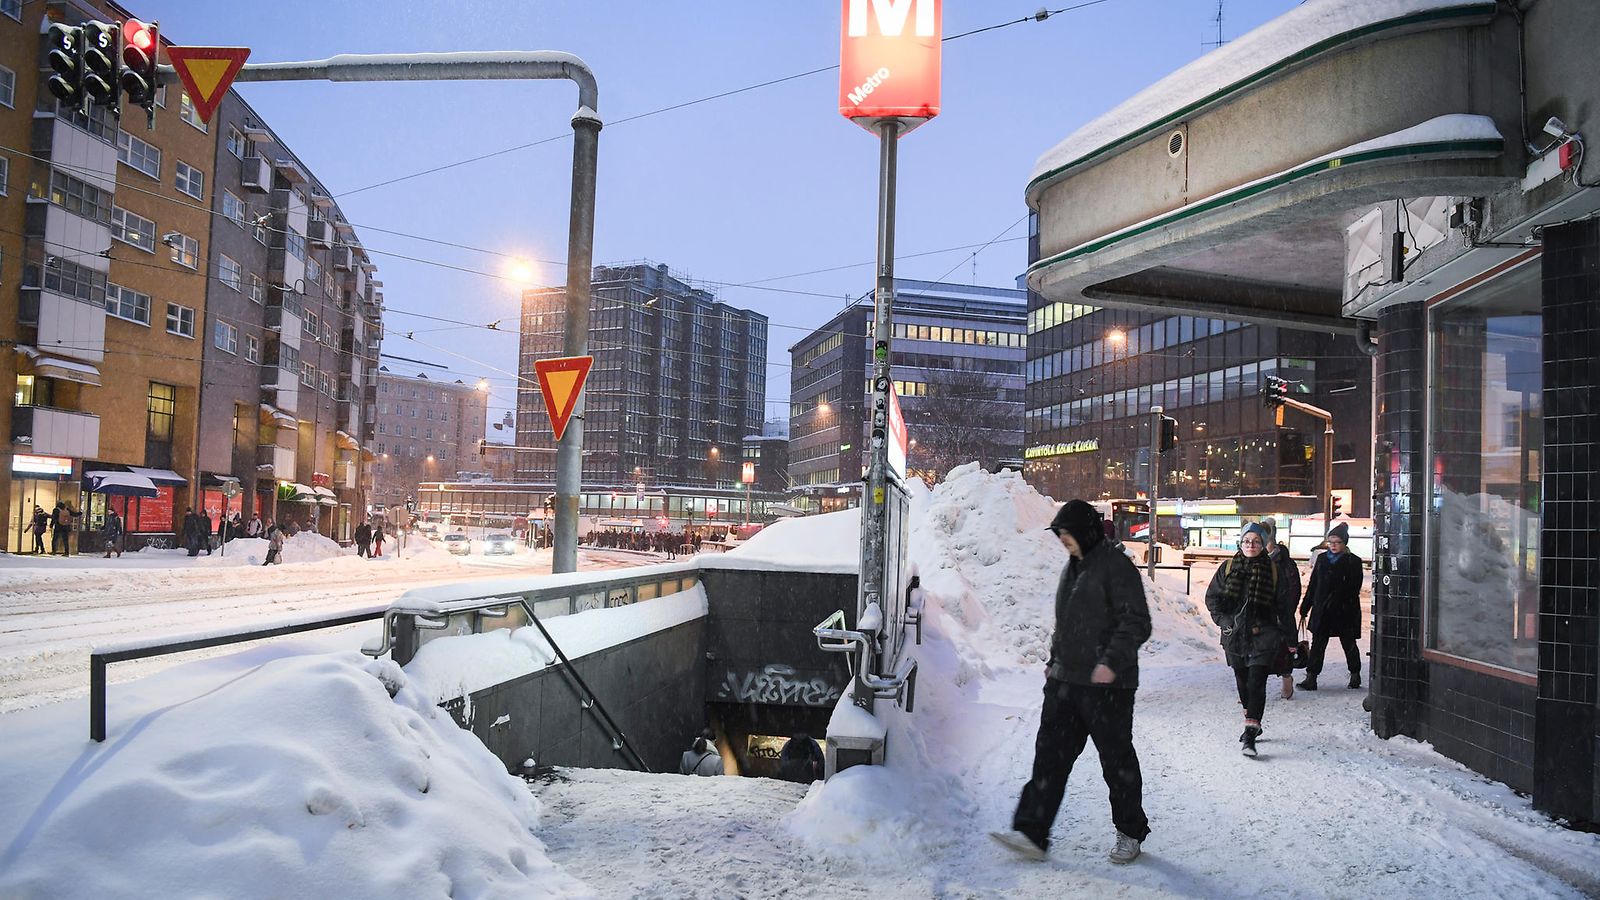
[[97, 698]]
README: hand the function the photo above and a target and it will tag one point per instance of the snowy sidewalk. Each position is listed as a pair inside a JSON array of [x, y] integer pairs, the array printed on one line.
[[1329, 810]]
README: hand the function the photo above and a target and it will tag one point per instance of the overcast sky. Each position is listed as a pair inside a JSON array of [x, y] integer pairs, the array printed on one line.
[[767, 183]]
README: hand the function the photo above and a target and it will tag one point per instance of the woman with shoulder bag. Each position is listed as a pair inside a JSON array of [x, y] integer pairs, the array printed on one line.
[[1254, 608]]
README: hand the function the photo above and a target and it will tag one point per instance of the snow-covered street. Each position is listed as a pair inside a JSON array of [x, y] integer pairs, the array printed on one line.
[[53, 611]]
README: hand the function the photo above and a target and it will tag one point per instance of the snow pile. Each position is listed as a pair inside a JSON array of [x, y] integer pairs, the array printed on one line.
[[308, 546], [292, 775], [451, 667], [1293, 32], [828, 542]]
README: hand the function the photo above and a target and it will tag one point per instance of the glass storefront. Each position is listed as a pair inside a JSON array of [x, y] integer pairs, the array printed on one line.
[[1485, 434]]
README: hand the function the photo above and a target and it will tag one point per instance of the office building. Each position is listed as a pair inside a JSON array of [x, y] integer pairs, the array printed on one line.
[[957, 365], [679, 378]]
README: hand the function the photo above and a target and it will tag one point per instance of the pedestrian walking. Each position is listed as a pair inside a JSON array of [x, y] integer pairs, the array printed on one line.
[[1091, 679], [204, 527], [1255, 609], [1333, 606], [363, 539], [1288, 573], [702, 757], [111, 533], [191, 543], [274, 545], [254, 528], [377, 541], [41, 524], [800, 760]]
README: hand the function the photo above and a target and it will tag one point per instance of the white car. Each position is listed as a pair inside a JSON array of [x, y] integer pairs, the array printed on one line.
[[499, 545], [458, 543]]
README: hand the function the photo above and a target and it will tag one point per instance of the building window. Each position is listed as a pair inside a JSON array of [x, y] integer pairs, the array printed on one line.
[[258, 230], [295, 243], [252, 348], [5, 176], [80, 197], [128, 304], [1485, 440], [180, 320], [233, 208], [226, 337], [68, 279], [187, 112], [237, 143], [308, 374], [162, 406], [258, 289], [138, 155], [8, 87], [185, 250], [190, 180], [313, 271], [311, 327], [134, 229], [230, 273], [12, 8]]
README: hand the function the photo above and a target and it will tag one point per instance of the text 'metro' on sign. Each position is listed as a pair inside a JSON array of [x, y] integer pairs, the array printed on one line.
[[889, 60]]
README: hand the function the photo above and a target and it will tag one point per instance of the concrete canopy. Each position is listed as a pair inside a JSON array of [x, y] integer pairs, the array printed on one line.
[[1235, 205]]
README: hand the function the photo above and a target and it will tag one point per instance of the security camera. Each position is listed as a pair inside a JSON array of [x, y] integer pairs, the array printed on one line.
[[170, 238], [1557, 129]]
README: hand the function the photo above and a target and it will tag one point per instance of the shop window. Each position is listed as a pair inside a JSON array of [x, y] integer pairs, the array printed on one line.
[[1485, 437]]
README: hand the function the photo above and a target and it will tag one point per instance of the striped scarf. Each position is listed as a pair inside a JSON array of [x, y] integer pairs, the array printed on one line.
[[1251, 588]]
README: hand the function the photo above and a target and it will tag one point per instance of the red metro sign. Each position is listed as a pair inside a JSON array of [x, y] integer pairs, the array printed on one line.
[[889, 55]]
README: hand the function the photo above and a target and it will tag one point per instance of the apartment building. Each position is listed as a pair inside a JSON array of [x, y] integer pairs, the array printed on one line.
[[151, 307], [292, 334], [679, 379], [426, 430]]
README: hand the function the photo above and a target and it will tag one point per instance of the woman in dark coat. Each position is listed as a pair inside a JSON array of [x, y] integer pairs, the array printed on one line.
[[1333, 606], [800, 760], [1255, 610]]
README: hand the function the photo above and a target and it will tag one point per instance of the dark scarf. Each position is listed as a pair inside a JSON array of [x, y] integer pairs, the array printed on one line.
[[1249, 588]]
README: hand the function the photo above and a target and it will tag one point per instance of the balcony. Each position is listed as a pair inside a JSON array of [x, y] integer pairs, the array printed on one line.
[[56, 432], [279, 461], [341, 258], [319, 233], [257, 174]]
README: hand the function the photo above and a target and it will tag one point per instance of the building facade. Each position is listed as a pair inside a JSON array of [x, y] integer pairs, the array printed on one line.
[[957, 361], [678, 380], [1094, 374], [137, 299], [292, 332], [1450, 229], [427, 429], [767, 457]]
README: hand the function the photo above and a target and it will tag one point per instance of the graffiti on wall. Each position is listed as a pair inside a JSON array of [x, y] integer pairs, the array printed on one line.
[[777, 684]]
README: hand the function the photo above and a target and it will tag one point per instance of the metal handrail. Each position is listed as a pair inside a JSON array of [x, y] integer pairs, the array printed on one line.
[[901, 683], [100, 659], [839, 640]]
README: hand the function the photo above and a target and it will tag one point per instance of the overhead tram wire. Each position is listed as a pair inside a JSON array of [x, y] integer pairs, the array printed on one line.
[[1039, 16]]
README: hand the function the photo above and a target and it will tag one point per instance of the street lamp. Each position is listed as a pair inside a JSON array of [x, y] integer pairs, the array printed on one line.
[[520, 271]]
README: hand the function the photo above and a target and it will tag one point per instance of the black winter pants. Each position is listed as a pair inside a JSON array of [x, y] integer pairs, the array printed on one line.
[[1073, 714], [1319, 648], [1252, 682]]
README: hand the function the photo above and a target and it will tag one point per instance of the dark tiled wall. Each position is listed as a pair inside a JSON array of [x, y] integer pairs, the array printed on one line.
[[1399, 678], [1484, 722], [1568, 744]]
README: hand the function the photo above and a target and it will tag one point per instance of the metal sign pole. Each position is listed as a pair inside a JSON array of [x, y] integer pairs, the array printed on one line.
[[874, 519], [1155, 488]]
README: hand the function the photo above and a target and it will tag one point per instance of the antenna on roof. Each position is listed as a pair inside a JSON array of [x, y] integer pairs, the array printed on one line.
[[1218, 19]]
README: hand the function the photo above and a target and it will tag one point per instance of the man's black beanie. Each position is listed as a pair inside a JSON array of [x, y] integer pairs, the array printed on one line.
[[1080, 520]]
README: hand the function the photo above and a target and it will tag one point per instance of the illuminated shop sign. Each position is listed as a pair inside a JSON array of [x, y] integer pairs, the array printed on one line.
[[1043, 450], [41, 465]]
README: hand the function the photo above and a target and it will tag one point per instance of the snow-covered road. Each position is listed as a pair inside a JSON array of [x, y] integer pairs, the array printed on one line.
[[54, 611]]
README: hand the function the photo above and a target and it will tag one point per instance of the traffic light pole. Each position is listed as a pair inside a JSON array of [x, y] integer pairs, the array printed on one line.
[[495, 66], [1155, 489], [1326, 418]]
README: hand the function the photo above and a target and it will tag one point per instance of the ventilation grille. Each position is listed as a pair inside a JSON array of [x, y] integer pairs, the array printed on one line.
[[1175, 143]]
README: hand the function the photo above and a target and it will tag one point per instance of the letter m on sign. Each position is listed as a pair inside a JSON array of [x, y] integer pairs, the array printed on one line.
[[891, 16]]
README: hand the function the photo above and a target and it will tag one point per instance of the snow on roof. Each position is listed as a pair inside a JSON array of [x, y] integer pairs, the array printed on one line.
[[1302, 29], [1451, 128]]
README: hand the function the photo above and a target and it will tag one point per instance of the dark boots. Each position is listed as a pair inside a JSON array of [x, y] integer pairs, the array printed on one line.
[[1355, 680], [1309, 684]]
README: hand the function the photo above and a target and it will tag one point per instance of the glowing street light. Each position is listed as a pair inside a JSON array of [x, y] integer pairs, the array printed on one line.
[[483, 385], [1117, 337]]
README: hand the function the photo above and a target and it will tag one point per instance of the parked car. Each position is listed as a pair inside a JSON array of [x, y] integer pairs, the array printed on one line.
[[458, 543], [499, 545]]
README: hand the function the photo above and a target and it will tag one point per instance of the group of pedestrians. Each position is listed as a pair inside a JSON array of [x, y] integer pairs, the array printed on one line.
[[57, 523], [800, 760], [667, 542], [1102, 618], [369, 538]]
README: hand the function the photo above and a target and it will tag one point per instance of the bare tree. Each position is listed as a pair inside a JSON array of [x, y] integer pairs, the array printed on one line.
[[963, 418]]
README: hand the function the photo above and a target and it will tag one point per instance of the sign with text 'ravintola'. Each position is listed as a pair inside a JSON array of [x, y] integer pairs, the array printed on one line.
[[561, 381], [889, 57]]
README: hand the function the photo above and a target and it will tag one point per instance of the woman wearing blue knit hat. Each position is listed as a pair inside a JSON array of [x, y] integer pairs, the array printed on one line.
[[1254, 607]]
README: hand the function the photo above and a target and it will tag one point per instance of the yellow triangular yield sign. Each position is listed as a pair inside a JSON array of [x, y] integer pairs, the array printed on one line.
[[206, 73], [561, 381]]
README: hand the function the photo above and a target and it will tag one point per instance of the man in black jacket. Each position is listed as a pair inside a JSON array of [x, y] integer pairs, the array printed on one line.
[[1333, 605], [1101, 621]]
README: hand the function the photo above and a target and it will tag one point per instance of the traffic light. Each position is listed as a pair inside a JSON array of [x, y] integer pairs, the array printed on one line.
[[1275, 391], [66, 60], [482, 446], [139, 52], [100, 65], [1169, 433], [1338, 505]]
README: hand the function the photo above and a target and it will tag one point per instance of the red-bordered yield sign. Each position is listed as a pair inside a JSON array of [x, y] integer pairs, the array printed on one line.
[[206, 73], [561, 381]]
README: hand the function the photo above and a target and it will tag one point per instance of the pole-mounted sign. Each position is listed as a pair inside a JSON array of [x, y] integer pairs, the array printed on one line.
[[889, 61], [206, 73], [560, 382]]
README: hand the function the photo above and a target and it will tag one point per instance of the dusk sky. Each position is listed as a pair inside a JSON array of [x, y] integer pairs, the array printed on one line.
[[741, 194]]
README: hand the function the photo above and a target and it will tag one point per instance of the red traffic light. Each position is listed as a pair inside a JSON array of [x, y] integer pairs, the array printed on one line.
[[137, 34]]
